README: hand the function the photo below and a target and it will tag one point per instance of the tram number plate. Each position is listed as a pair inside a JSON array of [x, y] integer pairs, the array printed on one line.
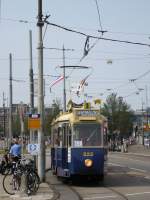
[[88, 153]]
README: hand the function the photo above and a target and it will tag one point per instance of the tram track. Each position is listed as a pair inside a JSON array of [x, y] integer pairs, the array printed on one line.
[[84, 191], [117, 192], [119, 184], [114, 193], [90, 191], [63, 191]]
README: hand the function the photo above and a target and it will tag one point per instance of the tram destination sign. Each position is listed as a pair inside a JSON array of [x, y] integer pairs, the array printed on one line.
[[87, 113]]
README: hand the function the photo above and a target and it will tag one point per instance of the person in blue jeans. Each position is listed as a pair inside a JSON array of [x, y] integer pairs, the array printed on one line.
[[15, 150]]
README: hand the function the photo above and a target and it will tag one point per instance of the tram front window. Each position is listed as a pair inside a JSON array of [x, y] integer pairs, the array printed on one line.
[[87, 135]]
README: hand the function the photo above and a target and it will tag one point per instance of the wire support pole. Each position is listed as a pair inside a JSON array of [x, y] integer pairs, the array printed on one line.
[[31, 84], [41, 142], [64, 74], [10, 99], [4, 121], [31, 74]]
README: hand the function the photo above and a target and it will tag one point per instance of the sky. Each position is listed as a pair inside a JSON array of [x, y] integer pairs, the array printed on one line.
[[116, 67]]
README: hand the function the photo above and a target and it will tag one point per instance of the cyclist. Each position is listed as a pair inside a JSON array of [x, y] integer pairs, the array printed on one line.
[[15, 150]]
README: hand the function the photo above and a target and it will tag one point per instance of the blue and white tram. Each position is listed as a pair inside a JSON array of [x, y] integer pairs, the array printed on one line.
[[79, 143]]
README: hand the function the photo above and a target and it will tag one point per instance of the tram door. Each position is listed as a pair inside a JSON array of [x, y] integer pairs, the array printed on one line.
[[66, 144]]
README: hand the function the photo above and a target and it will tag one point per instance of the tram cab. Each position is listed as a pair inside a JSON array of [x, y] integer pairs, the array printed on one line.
[[79, 143]]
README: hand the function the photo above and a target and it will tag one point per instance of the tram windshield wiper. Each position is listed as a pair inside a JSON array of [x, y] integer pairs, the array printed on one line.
[[91, 135]]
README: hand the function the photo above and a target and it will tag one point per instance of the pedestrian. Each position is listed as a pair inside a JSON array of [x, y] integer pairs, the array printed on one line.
[[15, 150]]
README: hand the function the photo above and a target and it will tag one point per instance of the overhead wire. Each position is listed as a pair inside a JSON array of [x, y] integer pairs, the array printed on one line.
[[135, 84], [87, 47], [99, 17], [101, 30], [97, 37], [91, 36], [72, 27]]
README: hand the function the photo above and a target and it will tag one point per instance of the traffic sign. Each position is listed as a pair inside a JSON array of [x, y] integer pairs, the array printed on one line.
[[33, 149], [34, 121]]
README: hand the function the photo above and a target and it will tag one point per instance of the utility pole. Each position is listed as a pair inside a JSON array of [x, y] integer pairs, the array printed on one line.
[[21, 113], [147, 118], [64, 74], [4, 115], [31, 82], [41, 142], [10, 99], [31, 74]]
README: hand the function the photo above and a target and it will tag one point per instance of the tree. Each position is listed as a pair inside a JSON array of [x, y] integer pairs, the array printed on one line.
[[16, 127], [50, 115], [120, 116]]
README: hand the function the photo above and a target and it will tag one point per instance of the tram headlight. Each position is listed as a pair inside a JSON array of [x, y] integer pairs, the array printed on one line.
[[88, 162]]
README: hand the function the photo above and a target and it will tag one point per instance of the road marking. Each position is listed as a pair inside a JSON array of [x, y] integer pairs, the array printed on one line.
[[114, 156], [147, 177], [114, 196], [114, 164], [134, 194], [103, 197], [136, 169], [132, 168]]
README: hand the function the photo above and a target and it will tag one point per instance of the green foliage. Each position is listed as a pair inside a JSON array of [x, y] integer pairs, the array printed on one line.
[[119, 115], [1, 128], [16, 127], [50, 115]]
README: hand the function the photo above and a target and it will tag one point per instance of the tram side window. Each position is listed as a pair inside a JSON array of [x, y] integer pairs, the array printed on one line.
[[53, 136], [64, 135], [58, 137]]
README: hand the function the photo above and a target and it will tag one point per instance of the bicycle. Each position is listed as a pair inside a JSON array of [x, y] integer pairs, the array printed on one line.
[[32, 177], [5, 164], [13, 183]]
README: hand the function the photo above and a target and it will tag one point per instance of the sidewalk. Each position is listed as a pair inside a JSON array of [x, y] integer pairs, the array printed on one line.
[[139, 149], [44, 193]]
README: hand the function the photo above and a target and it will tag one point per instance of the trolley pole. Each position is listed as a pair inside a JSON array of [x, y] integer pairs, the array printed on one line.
[[10, 100], [41, 142]]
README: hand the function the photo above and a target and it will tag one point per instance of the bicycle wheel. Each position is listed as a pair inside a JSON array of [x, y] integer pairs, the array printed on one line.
[[33, 182], [9, 184]]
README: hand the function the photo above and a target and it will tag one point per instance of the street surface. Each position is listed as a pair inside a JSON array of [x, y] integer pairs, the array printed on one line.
[[128, 178], [3, 195]]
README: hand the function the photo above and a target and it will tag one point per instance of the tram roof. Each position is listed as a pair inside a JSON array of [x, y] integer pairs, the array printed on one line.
[[71, 116]]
